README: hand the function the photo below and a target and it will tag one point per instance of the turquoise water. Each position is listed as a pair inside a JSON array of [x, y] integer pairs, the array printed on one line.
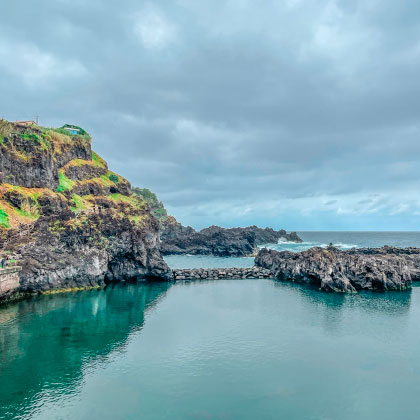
[[226, 349], [205, 261], [244, 349]]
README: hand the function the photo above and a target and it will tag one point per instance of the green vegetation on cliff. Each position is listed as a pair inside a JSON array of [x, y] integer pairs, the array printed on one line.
[[68, 220], [156, 206], [5, 129], [4, 219], [45, 171], [65, 184], [98, 161]]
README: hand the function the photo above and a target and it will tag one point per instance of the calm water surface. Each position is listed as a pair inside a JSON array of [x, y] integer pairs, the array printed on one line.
[[245, 349], [227, 349]]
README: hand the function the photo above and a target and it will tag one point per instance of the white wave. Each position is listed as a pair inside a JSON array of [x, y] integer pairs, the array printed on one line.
[[345, 246], [298, 247]]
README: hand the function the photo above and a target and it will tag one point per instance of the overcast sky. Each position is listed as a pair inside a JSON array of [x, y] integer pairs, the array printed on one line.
[[300, 114]]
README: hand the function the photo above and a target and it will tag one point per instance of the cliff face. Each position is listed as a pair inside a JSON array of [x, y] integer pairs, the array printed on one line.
[[214, 240], [376, 269], [68, 220]]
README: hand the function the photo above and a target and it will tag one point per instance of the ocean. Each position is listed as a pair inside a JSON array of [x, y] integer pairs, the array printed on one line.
[[342, 240]]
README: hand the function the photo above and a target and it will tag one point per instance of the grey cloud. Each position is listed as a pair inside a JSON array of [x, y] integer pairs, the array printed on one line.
[[234, 102]]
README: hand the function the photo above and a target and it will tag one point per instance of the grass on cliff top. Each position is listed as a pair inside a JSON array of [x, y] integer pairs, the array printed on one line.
[[60, 139], [65, 184], [83, 133], [34, 138], [57, 138], [63, 132]]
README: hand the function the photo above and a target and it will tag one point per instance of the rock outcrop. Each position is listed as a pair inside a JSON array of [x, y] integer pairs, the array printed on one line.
[[215, 240], [66, 219], [376, 269]]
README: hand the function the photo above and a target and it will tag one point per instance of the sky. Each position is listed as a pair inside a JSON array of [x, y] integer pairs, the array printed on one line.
[[295, 114]]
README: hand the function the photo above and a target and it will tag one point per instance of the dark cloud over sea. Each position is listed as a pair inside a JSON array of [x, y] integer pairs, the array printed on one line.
[[301, 114]]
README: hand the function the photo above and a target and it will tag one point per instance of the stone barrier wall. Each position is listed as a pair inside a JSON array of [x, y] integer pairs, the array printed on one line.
[[9, 280], [222, 273]]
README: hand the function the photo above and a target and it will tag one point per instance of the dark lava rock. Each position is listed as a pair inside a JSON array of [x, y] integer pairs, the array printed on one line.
[[215, 240], [55, 254], [84, 171], [376, 269], [27, 162], [110, 236]]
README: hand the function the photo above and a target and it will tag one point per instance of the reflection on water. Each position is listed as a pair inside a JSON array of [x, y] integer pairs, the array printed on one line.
[[234, 349], [46, 342], [332, 308]]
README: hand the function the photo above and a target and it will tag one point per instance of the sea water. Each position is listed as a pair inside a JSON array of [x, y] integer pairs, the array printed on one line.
[[341, 240], [224, 349]]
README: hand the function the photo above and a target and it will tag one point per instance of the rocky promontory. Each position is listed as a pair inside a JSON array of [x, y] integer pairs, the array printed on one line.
[[68, 220], [330, 269], [215, 240]]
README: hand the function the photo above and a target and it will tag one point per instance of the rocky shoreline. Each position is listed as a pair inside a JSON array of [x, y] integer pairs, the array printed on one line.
[[218, 241], [68, 220], [330, 269]]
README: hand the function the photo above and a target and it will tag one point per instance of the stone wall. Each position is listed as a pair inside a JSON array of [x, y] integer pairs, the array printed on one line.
[[222, 273], [9, 281]]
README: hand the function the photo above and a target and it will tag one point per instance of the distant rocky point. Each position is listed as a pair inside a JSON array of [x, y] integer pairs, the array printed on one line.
[[215, 240], [376, 269]]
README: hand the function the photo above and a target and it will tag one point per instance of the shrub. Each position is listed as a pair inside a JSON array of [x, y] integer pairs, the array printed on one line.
[[114, 178]]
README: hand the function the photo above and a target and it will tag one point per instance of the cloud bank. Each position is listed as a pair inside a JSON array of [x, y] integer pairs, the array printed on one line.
[[301, 114]]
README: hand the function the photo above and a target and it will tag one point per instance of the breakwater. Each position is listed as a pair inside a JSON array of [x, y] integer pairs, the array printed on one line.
[[222, 273]]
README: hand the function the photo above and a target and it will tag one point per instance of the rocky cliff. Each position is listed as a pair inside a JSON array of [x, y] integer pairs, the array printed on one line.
[[66, 218], [214, 240], [376, 269]]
